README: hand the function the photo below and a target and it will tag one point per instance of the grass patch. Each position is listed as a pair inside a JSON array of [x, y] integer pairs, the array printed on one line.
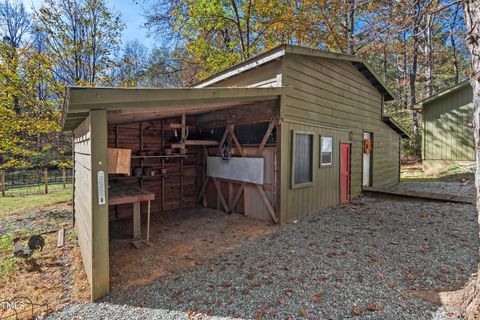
[[456, 173], [16, 202]]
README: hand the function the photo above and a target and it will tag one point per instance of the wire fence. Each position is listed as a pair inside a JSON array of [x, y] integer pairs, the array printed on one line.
[[34, 181]]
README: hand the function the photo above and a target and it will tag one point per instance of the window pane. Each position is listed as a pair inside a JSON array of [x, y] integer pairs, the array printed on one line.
[[326, 152], [303, 158]]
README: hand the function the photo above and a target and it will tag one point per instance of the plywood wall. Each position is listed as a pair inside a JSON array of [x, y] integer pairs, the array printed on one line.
[[175, 190]]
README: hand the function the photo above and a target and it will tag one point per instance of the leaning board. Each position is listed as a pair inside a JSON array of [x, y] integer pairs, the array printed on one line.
[[236, 168]]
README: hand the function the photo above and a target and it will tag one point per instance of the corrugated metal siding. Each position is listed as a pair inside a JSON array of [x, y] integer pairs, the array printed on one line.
[[335, 94], [447, 134]]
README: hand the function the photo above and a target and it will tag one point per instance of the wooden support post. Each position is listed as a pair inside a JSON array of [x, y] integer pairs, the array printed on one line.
[[136, 220], [237, 196], [265, 137], [220, 195], [4, 187], [267, 203], [148, 221], [45, 178], [202, 190], [237, 143], [64, 177], [184, 126]]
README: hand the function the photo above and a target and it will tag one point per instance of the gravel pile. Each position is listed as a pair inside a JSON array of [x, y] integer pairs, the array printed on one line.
[[457, 188], [357, 261]]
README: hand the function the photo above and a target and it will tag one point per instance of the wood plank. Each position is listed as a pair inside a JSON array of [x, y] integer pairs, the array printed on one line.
[[271, 125], [237, 143], [61, 237], [136, 220], [267, 203], [237, 196], [220, 195], [131, 194]]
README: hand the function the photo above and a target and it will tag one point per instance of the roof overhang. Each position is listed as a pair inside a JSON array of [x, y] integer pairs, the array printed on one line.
[[132, 104], [277, 52], [397, 127], [440, 94]]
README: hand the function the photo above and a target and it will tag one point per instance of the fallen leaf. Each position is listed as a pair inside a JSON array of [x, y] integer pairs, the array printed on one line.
[[331, 254], [303, 312], [317, 298], [357, 311], [374, 307]]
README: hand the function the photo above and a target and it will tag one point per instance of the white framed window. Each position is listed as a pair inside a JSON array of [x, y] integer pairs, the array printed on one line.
[[302, 158], [326, 151]]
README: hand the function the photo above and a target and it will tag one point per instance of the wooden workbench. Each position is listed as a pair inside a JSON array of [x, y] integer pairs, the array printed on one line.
[[124, 195]]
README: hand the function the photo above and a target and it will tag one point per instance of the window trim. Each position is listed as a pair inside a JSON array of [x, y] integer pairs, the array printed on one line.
[[326, 165], [304, 184]]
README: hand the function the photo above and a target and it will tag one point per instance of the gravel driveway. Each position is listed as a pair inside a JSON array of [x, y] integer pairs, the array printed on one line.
[[354, 261]]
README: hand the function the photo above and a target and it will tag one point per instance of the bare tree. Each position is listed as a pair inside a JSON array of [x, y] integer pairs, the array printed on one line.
[[82, 34], [15, 22]]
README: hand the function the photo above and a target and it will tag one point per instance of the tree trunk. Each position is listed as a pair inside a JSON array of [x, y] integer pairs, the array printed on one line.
[[471, 13], [428, 55], [453, 45]]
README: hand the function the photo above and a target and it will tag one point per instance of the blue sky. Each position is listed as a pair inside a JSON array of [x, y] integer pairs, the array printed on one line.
[[132, 16]]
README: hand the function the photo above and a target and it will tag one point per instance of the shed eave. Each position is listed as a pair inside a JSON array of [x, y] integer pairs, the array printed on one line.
[[420, 105], [397, 127], [79, 101]]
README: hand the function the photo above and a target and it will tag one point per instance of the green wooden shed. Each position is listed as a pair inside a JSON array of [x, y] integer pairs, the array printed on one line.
[[277, 137], [447, 122]]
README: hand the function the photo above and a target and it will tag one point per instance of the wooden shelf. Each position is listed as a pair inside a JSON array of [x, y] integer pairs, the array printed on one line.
[[195, 143], [164, 156], [143, 177]]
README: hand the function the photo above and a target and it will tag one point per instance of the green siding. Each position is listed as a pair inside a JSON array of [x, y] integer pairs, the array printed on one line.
[[330, 97], [90, 146], [325, 188], [447, 131], [334, 94]]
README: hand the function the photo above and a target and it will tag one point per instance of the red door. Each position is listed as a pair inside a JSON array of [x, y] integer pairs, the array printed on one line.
[[345, 173]]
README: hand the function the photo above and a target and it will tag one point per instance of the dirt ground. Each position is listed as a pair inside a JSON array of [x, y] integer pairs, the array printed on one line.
[[50, 278], [181, 239]]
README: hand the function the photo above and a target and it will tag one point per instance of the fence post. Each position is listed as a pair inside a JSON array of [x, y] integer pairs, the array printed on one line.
[[64, 177], [3, 183], [46, 180]]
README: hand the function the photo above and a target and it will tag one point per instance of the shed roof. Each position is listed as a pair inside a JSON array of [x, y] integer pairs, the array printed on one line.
[[441, 94], [283, 49], [395, 126], [127, 104]]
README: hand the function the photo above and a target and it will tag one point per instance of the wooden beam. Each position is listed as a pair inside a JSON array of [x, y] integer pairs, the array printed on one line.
[[220, 195], [148, 221], [267, 203], [237, 143], [184, 127], [271, 125], [202, 190], [224, 137], [237, 196], [136, 220]]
